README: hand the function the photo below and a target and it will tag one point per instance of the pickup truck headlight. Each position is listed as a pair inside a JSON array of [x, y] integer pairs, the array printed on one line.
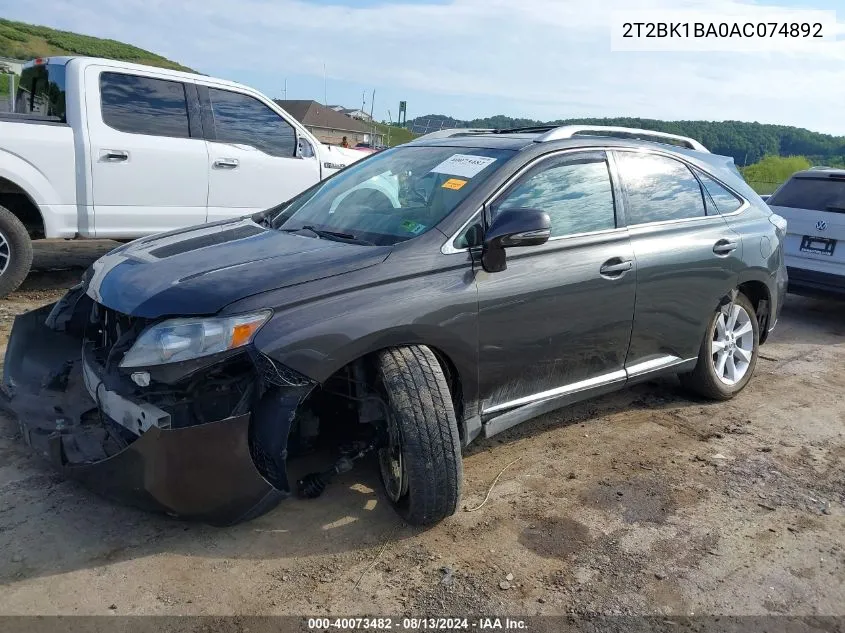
[[178, 340]]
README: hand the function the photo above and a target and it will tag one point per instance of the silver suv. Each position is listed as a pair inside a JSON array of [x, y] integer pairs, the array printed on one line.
[[813, 203]]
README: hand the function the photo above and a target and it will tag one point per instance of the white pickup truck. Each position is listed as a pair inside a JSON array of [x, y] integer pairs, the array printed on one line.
[[104, 149]]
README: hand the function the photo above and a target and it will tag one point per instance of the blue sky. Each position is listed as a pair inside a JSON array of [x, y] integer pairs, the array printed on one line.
[[542, 59]]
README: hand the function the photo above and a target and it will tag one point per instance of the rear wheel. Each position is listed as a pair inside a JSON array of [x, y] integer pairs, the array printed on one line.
[[728, 352], [421, 466], [15, 252]]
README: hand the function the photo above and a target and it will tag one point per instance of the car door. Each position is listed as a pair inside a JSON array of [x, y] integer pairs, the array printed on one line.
[[556, 323], [149, 162], [688, 258], [255, 159]]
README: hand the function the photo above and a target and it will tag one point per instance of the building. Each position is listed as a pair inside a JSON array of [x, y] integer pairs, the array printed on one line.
[[355, 113], [330, 125]]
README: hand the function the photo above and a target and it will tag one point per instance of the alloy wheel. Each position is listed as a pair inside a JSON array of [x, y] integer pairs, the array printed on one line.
[[5, 253], [732, 347], [391, 464]]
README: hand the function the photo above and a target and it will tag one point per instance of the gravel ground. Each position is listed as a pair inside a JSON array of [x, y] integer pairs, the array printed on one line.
[[641, 502]]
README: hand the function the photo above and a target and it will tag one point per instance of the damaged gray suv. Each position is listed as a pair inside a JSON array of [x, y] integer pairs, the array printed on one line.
[[426, 296]]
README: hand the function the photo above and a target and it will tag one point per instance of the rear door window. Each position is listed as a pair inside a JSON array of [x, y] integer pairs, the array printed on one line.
[[242, 119], [659, 189], [815, 194], [144, 105], [41, 91]]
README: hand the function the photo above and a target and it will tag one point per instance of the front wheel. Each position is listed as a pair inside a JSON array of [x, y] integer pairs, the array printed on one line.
[[728, 352], [421, 466]]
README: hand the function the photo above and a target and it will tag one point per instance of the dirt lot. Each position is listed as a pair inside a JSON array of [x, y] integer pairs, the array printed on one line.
[[641, 502]]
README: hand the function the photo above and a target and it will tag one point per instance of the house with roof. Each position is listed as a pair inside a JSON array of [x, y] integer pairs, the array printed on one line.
[[330, 125]]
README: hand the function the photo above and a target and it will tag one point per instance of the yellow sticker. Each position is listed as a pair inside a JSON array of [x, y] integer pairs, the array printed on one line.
[[454, 183]]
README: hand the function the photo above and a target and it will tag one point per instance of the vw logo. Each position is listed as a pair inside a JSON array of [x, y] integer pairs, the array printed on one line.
[[821, 225]]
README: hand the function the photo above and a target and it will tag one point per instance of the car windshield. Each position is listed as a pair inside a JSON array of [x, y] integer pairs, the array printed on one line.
[[394, 196]]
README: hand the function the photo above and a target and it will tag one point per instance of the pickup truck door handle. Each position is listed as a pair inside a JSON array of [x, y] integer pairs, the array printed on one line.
[[725, 247], [615, 268], [226, 163], [113, 156]]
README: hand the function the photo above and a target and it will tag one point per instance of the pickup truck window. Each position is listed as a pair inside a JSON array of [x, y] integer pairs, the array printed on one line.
[[241, 119], [143, 105], [42, 91]]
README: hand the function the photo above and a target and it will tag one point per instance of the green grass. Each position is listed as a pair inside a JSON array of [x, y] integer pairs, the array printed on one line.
[[4, 84], [398, 135], [27, 41]]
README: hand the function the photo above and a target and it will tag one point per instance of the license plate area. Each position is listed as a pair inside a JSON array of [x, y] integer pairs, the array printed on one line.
[[818, 245]]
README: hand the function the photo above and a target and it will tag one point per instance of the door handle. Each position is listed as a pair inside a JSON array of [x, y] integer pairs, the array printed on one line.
[[113, 156], [615, 268], [226, 163], [725, 247]]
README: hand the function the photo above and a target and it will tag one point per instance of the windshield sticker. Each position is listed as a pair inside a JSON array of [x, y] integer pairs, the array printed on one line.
[[463, 165], [454, 183], [413, 227]]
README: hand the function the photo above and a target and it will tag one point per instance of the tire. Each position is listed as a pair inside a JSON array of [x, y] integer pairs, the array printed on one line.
[[424, 432], [15, 252], [705, 379]]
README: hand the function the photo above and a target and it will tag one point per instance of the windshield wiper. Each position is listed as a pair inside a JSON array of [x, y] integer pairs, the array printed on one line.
[[328, 235]]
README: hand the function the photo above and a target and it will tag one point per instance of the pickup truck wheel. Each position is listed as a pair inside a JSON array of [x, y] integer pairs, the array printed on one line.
[[15, 252], [421, 466], [728, 352]]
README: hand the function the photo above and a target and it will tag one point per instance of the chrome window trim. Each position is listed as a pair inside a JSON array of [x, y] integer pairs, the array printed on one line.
[[448, 247]]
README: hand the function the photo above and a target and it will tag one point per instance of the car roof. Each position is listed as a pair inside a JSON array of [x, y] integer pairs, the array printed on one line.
[[820, 172], [560, 136]]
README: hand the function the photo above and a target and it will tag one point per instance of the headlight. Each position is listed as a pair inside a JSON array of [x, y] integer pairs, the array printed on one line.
[[178, 340]]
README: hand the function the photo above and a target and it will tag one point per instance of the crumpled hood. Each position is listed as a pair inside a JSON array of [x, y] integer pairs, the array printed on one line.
[[200, 270]]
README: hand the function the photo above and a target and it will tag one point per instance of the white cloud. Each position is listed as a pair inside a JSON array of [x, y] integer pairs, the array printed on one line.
[[545, 58]]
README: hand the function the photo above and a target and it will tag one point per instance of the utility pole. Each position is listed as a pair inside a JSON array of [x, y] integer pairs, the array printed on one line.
[[285, 90], [325, 87], [372, 120]]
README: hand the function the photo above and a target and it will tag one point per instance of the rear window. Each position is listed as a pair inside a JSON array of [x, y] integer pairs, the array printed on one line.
[[815, 194], [41, 91]]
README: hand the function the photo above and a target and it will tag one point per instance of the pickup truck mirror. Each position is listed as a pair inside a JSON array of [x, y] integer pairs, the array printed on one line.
[[510, 228]]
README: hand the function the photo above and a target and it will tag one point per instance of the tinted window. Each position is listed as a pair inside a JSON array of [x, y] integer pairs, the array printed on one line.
[[143, 105], [41, 91], [816, 194], [576, 194], [243, 119], [718, 196], [659, 189]]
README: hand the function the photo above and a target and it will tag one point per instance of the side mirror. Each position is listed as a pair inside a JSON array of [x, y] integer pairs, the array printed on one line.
[[514, 227]]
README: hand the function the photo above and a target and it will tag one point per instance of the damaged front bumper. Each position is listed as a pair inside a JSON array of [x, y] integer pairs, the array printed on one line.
[[205, 470]]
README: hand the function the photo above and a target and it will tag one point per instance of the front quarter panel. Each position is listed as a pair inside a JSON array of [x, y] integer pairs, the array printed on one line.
[[417, 296]]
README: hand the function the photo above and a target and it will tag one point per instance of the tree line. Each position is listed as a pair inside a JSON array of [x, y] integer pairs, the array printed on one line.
[[746, 142]]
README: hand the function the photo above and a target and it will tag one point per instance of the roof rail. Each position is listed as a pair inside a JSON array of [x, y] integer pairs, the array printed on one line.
[[568, 131], [455, 131]]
